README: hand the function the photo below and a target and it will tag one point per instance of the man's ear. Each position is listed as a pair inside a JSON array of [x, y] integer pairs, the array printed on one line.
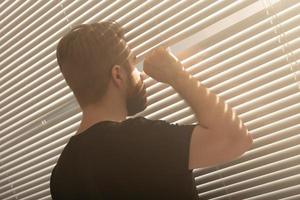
[[117, 76]]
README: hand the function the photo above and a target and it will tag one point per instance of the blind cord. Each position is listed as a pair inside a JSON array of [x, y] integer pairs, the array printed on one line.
[[65, 14], [282, 40]]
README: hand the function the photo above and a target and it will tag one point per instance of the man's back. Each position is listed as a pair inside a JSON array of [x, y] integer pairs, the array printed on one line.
[[134, 159]]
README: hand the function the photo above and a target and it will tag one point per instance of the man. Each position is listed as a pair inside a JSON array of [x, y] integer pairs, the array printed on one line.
[[111, 157]]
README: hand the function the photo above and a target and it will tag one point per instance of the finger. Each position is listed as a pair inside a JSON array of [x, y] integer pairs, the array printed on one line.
[[167, 48], [164, 47]]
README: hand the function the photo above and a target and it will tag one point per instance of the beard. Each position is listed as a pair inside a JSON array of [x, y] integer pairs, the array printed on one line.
[[136, 100]]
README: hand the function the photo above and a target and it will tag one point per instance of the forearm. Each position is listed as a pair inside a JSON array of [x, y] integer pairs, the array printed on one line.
[[211, 111]]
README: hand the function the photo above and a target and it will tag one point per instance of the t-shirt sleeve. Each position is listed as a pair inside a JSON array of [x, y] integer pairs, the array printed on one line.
[[173, 141]]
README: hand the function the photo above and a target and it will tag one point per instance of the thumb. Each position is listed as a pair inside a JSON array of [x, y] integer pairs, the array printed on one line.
[[144, 75]]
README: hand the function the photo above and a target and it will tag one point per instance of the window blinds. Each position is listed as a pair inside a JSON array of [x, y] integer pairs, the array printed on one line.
[[246, 51]]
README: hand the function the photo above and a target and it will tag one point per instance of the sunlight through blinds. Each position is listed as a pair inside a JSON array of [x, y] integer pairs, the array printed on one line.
[[245, 51]]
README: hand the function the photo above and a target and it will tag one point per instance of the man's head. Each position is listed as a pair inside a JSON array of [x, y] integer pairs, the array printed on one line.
[[95, 58]]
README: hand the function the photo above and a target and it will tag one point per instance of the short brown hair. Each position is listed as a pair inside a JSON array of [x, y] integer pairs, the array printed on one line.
[[86, 55]]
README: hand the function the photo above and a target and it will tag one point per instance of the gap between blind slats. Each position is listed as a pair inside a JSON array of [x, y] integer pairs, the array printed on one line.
[[11, 131], [19, 19], [72, 18], [293, 190], [278, 94], [294, 197], [172, 13], [249, 181], [140, 10], [44, 136], [276, 115], [4, 5], [15, 172], [27, 181], [146, 12], [57, 94], [39, 41], [47, 70], [41, 181], [276, 104], [30, 23], [263, 188], [120, 11], [22, 166], [27, 25], [263, 90], [22, 133], [107, 8], [13, 6]]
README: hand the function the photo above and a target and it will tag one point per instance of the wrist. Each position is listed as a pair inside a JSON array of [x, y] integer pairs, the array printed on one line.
[[178, 76]]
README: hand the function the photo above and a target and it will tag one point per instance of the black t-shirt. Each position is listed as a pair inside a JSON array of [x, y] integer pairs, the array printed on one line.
[[137, 158]]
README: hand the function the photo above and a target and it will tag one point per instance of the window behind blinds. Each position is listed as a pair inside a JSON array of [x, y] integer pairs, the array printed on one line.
[[245, 51]]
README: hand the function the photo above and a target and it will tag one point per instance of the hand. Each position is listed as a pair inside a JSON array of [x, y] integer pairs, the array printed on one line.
[[162, 65]]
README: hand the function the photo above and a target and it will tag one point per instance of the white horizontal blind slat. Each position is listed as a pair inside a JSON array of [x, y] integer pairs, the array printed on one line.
[[8, 11], [13, 24], [18, 29], [294, 197], [38, 38]]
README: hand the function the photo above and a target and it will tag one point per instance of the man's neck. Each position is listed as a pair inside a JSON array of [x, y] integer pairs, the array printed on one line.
[[95, 114]]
